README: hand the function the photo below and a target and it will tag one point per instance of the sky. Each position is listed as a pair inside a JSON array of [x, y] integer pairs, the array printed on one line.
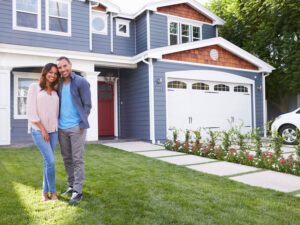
[[132, 6]]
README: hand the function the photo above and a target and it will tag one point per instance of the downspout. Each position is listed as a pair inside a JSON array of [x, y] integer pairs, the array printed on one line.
[[151, 99], [90, 19], [265, 102]]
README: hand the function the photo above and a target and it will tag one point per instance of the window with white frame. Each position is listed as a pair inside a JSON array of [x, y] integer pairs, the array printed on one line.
[[22, 81], [183, 32], [27, 14], [174, 33], [58, 16], [221, 87], [122, 27], [241, 89], [200, 86], [196, 33], [177, 84], [99, 22]]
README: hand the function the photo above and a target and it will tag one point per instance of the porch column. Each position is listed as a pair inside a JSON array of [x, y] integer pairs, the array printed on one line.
[[5, 105], [92, 132]]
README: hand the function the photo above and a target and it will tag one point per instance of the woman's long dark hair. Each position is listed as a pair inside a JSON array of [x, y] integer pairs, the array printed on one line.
[[42, 81]]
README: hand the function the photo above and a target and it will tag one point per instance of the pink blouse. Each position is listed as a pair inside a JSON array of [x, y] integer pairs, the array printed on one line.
[[42, 107]]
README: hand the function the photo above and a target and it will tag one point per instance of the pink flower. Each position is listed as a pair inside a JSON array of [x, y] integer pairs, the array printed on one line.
[[247, 153], [270, 155], [290, 156], [250, 158]]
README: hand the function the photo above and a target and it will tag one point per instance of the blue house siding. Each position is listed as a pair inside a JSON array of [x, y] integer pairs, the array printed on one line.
[[19, 128], [125, 45], [79, 41], [134, 103], [160, 68], [101, 42], [158, 31], [141, 33], [208, 31]]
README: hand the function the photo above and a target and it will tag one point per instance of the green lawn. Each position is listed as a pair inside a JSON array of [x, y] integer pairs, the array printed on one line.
[[125, 188]]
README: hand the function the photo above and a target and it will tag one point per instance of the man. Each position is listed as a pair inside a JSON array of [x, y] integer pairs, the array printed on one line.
[[75, 106]]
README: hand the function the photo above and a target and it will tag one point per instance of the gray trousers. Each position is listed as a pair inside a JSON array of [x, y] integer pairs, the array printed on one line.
[[72, 150]]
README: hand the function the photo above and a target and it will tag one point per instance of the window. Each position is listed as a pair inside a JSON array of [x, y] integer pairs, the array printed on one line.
[[122, 28], [241, 89], [177, 84], [58, 16], [21, 85], [174, 34], [99, 22], [27, 14], [200, 86], [183, 32], [196, 34], [221, 87]]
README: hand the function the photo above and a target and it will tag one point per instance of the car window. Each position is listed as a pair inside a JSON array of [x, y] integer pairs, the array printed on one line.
[[298, 111]]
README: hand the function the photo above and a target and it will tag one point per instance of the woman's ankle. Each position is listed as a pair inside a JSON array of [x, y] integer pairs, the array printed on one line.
[[54, 196], [45, 196]]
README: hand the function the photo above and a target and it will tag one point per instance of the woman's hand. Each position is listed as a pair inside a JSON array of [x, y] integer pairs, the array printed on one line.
[[45, 135]]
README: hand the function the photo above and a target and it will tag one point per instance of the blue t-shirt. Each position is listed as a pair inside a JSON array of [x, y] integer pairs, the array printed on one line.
[[68, 116]]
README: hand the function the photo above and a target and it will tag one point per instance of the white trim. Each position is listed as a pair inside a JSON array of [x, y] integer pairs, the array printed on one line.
[[123, 22], [5, 106], [69, 33], [184, 20], [102, 15], [116, 109], [111, 33], [254, 105], [16, 77], [151, 102], [264, 104], [98, 59], [206, 65], [148, 30], [14, 19]]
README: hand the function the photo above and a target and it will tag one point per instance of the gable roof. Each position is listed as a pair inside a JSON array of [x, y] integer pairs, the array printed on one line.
[[158, 53]]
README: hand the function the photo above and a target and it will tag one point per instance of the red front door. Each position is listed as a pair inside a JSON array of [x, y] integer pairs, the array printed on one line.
[[105, 109]]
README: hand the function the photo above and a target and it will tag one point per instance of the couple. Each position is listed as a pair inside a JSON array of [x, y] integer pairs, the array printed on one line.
[[59, 108]]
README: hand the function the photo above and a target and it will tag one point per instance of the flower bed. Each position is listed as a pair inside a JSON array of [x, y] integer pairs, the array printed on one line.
[[272, 159]]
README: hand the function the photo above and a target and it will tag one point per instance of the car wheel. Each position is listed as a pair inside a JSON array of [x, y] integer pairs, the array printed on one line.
[[289, 135]]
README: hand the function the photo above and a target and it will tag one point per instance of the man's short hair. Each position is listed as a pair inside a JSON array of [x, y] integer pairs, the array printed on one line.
[[63, 58]]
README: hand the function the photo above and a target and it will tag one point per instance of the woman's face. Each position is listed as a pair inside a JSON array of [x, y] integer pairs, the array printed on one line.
[[51, 76]]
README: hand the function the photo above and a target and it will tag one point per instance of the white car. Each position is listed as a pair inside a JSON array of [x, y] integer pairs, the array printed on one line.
[[286, 125]]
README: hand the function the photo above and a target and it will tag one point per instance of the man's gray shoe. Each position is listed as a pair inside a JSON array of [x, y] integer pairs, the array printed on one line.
[[68, 192], [75, 197]]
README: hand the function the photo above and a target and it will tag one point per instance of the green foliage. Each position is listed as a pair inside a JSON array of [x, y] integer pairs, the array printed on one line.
[[270, 30], [197, 134], [212, 138], [175, 135], [168, 144], [226, 139], [187, 135], [255, 136]]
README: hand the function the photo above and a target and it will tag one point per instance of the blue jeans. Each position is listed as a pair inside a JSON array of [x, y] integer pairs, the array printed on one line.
[[47, 150]]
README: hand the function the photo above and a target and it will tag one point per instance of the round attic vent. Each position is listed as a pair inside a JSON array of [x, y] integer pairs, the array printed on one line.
[[214, 54]]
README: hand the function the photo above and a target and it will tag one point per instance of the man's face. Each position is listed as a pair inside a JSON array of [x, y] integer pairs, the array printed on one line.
[[64, 68]]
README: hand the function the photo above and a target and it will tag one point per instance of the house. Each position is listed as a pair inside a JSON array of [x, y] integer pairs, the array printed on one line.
[[162, 68]]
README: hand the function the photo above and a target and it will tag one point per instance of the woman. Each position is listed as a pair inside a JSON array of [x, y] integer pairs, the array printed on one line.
[[42, 113]]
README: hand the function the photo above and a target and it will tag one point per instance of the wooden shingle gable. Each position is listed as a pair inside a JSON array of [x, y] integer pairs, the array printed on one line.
[[185, 11], [203, 56], [100, 7]]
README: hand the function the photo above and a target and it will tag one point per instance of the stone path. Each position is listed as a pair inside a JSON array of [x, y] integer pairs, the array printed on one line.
[[241, 173]]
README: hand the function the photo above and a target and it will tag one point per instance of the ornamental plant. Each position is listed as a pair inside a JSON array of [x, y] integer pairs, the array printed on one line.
[[267, 160], [175, 135], [256, 138], [246, 158], [197, 134], [232, 155], [276, 143], [187, 136], [226, 139], [212, 138], [286, 165]]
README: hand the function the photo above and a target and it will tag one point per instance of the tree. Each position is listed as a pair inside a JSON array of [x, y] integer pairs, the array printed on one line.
[[270, 30]]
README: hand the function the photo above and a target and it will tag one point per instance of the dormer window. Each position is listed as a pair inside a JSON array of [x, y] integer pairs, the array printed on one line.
[[27, 14], [122, 27], [183, 32], [58, 16]]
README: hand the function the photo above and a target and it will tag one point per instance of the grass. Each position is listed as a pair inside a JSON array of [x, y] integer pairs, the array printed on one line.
[[126, 188]]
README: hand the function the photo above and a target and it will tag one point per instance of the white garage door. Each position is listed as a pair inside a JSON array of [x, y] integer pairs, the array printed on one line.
[[194, 103]]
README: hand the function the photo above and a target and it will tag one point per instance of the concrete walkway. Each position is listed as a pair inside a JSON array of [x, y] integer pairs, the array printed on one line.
[[241, 173]]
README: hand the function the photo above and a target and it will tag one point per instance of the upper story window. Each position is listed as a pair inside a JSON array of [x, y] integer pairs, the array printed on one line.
[[99, 22], [27, 14], [183, 32], [123, 28], [58, 16]]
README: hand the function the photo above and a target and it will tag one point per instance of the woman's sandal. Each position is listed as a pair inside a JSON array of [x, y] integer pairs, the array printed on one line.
[[54, 196], [45, 197]]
